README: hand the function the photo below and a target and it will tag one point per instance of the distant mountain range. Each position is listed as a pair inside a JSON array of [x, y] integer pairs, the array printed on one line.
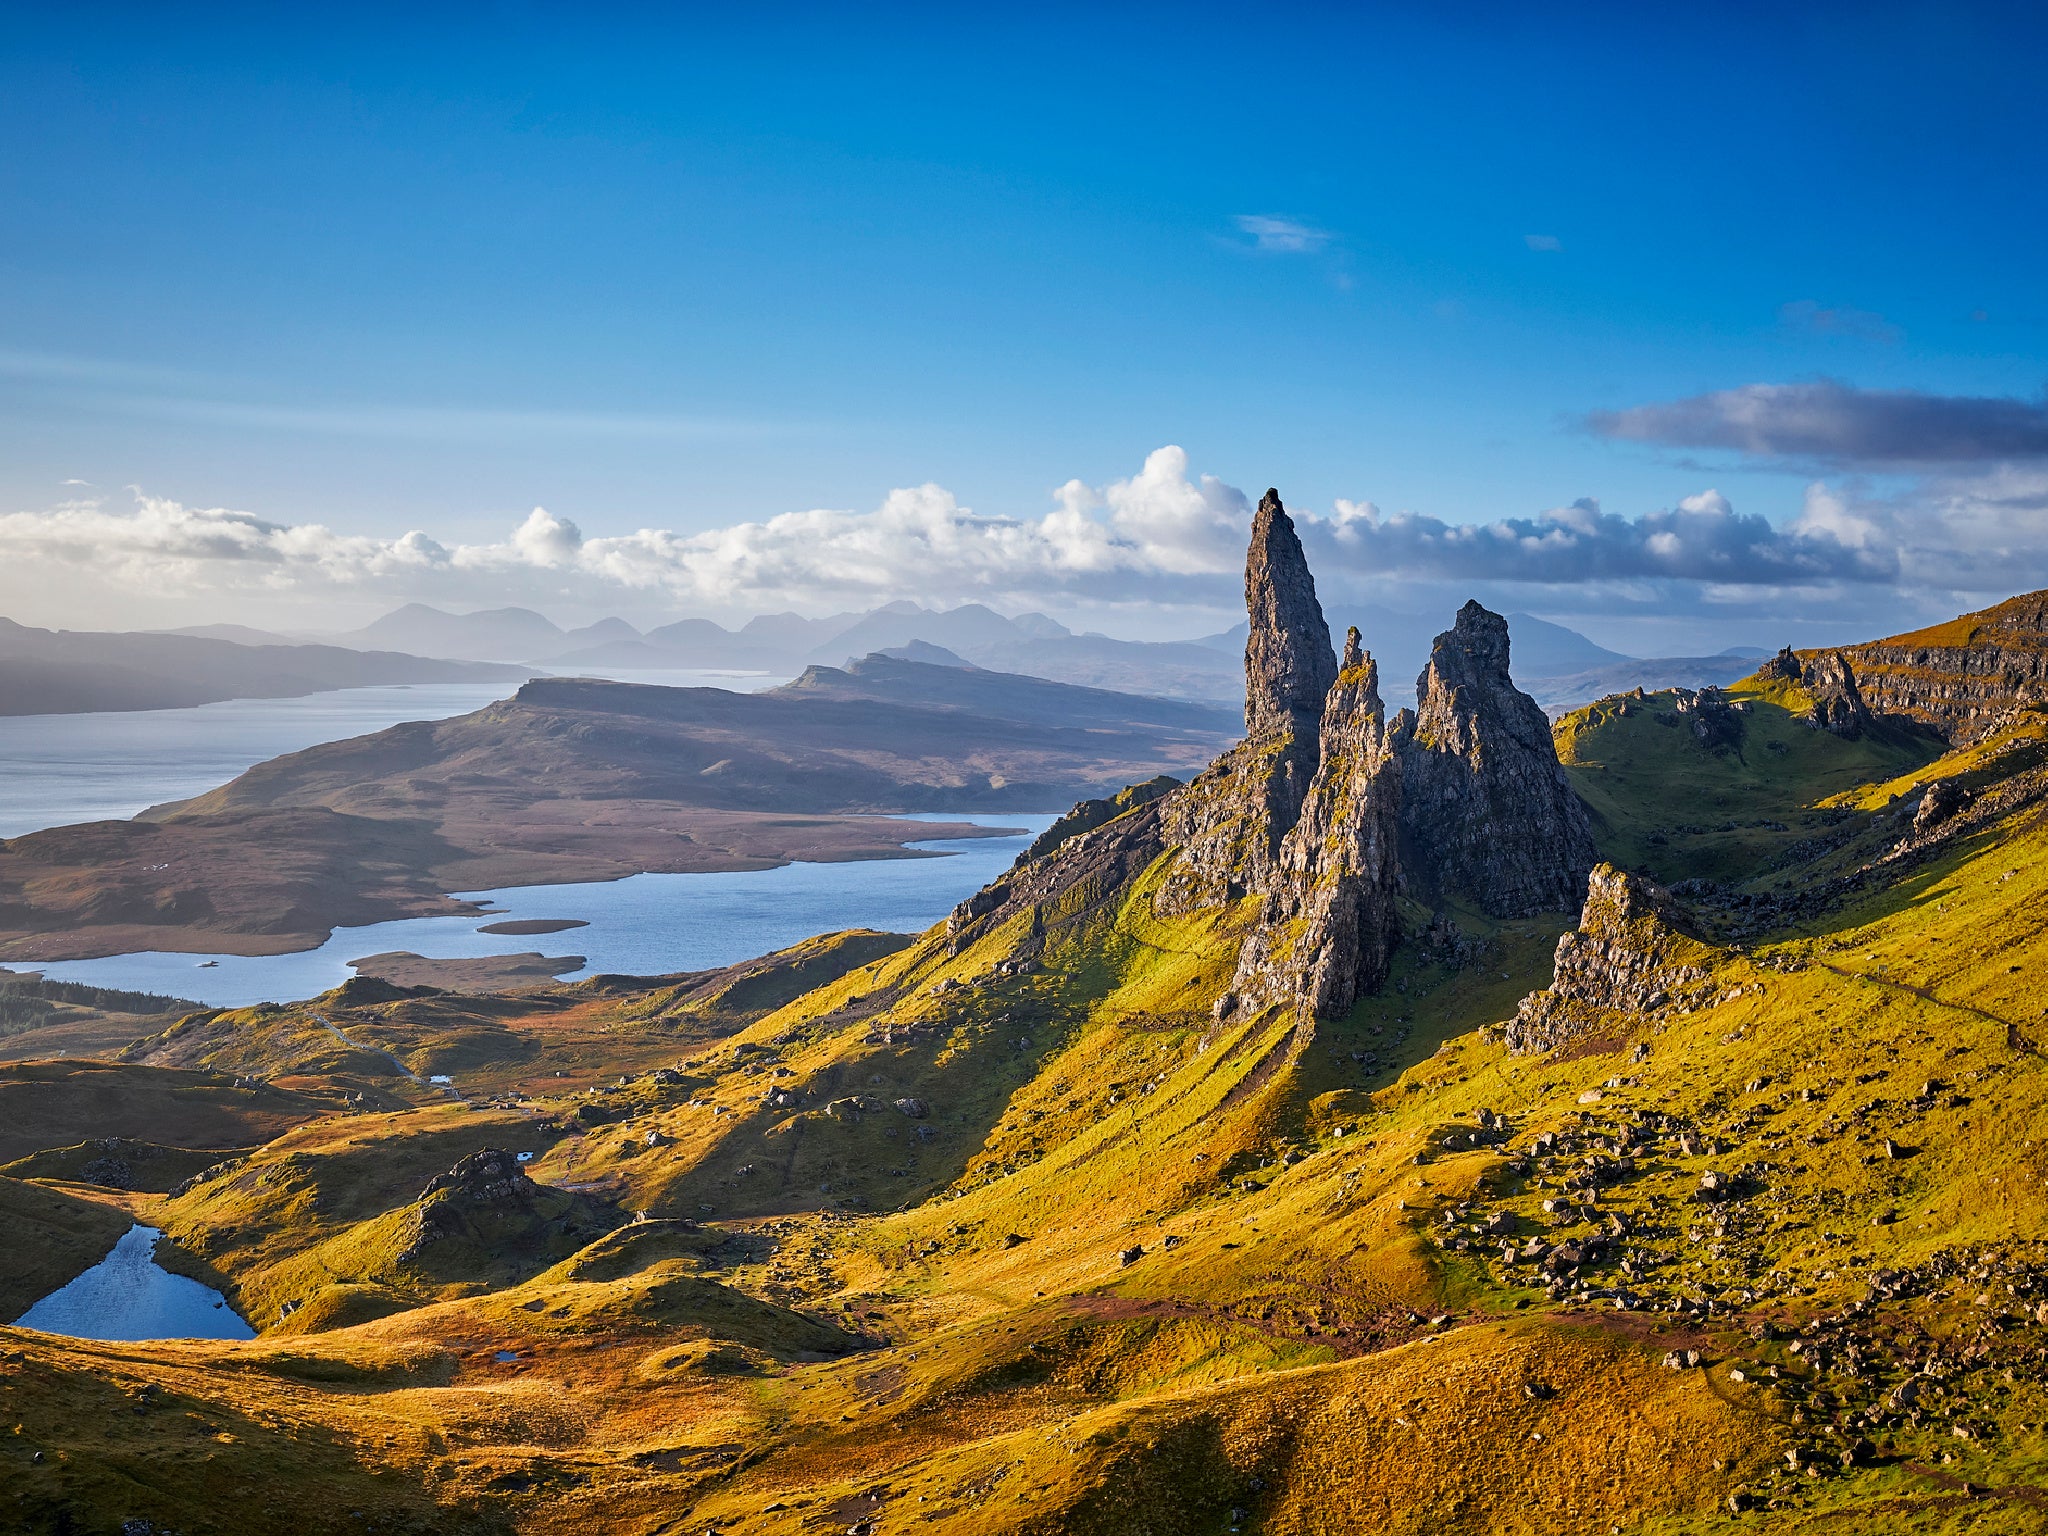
[[1560, 667], [58, 672]]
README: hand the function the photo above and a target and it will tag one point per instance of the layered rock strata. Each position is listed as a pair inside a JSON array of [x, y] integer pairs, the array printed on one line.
[[1964, 678], [1487, 815]]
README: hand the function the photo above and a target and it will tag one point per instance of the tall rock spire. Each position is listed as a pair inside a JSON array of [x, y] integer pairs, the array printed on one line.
[[1288, 665], [1486, 811], [1231, 820]]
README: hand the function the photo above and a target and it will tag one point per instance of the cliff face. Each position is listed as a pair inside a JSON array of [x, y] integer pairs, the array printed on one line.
[[1230, 821], [1964, 677], [1324, 805], [1330, 921], [1486, 812]]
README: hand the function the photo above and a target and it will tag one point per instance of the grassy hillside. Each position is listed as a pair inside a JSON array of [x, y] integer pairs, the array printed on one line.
[[1010, 1234]]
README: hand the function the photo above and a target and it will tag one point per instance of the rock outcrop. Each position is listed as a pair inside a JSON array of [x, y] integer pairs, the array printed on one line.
[[1230, 821], [1630, 955], [1329, 924], [1325, 807], [1289, 666], [1087, 815], [1487, 815], [1085, 870], [1837, 702]]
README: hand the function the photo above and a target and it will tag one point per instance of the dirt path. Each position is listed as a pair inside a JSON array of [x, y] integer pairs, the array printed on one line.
[[2014, 1040]]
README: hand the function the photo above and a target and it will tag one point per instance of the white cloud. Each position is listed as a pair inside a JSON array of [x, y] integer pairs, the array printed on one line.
[[1282, 236], [1160, 525], [1162, 540]]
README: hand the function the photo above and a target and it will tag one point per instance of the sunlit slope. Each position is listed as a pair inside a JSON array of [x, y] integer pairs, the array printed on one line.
[[1114, 1266], [1670, 804]]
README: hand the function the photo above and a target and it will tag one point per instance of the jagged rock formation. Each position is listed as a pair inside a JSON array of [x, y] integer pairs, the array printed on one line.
[[1837, 702], [1715, 722], [1288, 664], [1315, 811], [1630, 955], [1230, 821], [1962, 678], [1783, 667], [1330, 921], [1487, 814]]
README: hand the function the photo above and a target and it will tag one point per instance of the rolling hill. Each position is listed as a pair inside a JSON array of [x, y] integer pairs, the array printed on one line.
[[1674, 1159]]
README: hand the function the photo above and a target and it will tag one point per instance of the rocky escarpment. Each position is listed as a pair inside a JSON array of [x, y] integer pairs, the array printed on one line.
[[1087, 815], [1630, 955], [1487, 815], [1963, 678], [1230, 821], [1084, 870], [1329, 924]]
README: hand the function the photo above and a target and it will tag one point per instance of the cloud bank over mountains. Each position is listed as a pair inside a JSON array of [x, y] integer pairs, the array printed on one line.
[[1167, 542]]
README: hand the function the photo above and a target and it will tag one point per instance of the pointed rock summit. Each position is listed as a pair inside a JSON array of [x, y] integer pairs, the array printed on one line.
[[1487, 814], [1288, 665], [1231, 820], [1328, 814]]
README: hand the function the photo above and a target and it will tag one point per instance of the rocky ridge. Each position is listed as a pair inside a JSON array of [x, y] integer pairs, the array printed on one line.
[[1964, 678]]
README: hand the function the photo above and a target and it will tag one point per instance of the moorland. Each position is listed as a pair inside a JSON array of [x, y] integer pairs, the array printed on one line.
[[1435, 1121]]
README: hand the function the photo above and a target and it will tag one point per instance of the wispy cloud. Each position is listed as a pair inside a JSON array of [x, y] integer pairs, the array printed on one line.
[[1282, 236], [106, 387], [1543, 242], [1862, 324], [1838, 423]]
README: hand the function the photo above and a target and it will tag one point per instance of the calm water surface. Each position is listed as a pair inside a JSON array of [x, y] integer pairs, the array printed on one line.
[[128, 1295], [648, 925]]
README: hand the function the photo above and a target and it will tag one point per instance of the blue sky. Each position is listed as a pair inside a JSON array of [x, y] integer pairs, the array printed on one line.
[[679, 269]]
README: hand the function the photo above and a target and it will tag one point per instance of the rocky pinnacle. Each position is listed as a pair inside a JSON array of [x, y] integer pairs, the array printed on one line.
[[1487, 814], [1288, 663]]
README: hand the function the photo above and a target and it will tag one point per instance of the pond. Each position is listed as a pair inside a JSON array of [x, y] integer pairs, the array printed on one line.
[[128, 1295]]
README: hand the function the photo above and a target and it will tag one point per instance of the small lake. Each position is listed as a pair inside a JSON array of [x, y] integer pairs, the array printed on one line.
[[59, 769], [647, 925], [128, 1295]]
